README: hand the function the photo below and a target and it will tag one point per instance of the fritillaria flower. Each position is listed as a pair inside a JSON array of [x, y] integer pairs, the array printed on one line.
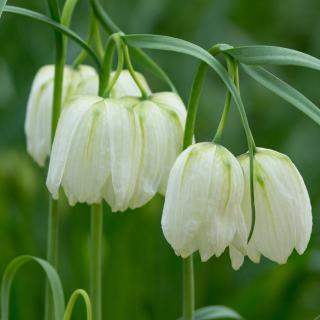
[[120, 150], [202, 206], [283, 209], [81, 81]]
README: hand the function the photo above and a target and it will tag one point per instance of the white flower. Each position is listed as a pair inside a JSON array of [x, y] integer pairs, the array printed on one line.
[[283, 209], [117, 149], [81, 81], [202, 205]]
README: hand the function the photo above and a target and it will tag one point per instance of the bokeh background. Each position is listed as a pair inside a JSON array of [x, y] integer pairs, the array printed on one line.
[[142, 275]]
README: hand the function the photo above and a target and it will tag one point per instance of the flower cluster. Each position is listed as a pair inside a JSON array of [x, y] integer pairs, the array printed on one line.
[[124, 149], [81, 81], [119, 148], [208, 205]]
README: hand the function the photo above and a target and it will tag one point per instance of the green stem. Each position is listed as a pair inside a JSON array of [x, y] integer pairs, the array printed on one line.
[[105, 85], [74, 297], [53, 219], [110, 27], [96, 260], [133, 73], [252, 151], [52, 251], [193, 105], [227, 103], [188, 288]]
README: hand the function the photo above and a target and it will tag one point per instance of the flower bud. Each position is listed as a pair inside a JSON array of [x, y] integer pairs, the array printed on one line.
[[117, 149], [202, 206], [283, 209], [81, 81]]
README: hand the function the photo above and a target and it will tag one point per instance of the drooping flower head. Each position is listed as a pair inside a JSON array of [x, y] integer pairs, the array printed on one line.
[[202, 206], [120, 150], [283, 209], [81, 81]]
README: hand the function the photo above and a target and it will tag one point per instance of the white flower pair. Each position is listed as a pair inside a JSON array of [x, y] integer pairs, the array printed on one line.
[[208, 208], [120, 149], [81, 81]]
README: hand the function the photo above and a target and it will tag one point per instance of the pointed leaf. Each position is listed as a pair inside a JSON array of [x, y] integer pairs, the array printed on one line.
[[260, 55], [55, 25], [53, 280], [285, 91]]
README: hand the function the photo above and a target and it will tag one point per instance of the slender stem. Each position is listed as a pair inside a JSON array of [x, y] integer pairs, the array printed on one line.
[[52, 251], [252, 151], [110, 27], [74, 297], [193, 105], [105, 85], [97, 37], [96, 260], [53, 219], [133, 73], [188, 288], [227, 103]]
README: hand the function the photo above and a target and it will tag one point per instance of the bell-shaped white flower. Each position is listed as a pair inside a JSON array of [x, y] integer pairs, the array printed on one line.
[[39, 107], [117, 149], [283, 209], [81, 81], [202, 209]]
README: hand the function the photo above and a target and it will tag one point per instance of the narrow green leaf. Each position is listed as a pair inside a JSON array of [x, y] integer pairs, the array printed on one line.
[[216, 312], [74, 297], [2, 5], [285, 91], [57, 26], [53, 280], [260, 55], [148, 41], [166, 43]]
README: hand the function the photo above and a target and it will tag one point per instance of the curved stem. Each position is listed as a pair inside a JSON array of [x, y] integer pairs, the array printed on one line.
[[227, 103], [74, 297], [97, 37], [96, 260], [103, 17], [252, 151], [110, 27], [193, 105], [188, 288], [133, 74], [105, 85]]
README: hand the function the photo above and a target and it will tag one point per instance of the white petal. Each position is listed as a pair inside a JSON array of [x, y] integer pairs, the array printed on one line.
[[38, 116], [88, 81], [87, 167], [68, 124], [202, 201], [125, 152], [171, 101], [283, 211], [175, 112], [126, 86], [223, 212], [154, 129], [236, 257]]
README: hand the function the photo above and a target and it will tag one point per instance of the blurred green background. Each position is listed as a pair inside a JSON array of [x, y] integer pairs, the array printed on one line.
[[142, 275]]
